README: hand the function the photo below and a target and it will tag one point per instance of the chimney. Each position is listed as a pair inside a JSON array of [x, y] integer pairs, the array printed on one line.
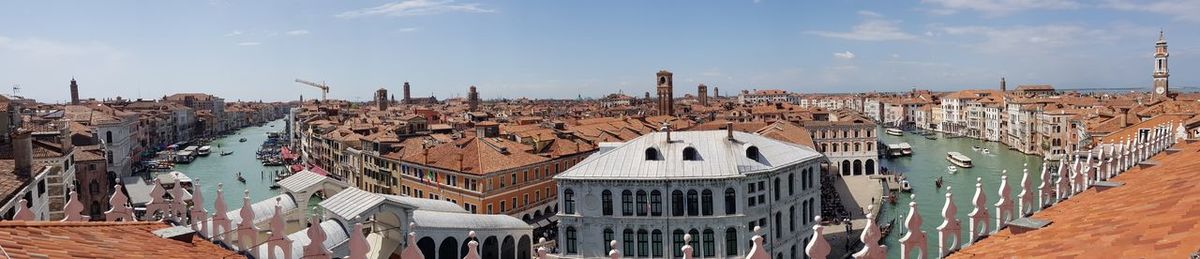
[[667, 128], [729, 130], [23, 151]]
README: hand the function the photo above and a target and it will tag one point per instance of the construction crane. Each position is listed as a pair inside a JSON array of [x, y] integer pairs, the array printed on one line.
[[324, 88]]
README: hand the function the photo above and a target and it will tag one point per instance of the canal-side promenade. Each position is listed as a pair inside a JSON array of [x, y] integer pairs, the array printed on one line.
[[210, 170], [858, 193]]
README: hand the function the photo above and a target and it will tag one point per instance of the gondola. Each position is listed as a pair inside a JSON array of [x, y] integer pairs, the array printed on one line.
[[226, 153], [938, 182], [242, 140]]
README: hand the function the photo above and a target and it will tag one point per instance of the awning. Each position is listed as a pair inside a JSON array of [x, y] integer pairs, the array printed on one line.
[[287, 153], [297, 168], [319, 170]]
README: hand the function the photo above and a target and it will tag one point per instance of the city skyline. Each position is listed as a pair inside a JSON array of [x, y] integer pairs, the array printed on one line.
[[254, 51]]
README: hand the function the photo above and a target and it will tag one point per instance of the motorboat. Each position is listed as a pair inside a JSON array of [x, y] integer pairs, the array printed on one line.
[[894, 132], [226, 153], [242, 140], [203, 151], [951, 169], [975, 148], [931, 137], [958, 159], [905, 186], [985, 151]]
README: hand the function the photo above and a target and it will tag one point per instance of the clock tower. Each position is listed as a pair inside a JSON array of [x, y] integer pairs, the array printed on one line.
[[1160, 66]]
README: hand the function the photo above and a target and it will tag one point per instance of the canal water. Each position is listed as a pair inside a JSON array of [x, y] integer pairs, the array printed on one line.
[[213, 169], [928, 162]]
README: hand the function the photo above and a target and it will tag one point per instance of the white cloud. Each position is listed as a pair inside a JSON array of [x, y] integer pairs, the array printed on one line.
[[844, 55], [297, 32], [1024, 39], [249, 43], [894, 55], [233, 33], [873, 28], [408, 29], [1184, 10], [415, 8], [999, 7]]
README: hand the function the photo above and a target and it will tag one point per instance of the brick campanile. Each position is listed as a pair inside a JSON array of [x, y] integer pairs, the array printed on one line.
[[74, 92], [666, 97]]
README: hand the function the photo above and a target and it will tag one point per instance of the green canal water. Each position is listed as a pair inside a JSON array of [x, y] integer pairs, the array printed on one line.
[[213, 169], [928, 162]]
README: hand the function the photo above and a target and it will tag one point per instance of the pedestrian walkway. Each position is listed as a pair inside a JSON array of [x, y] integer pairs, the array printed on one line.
[[857, 194]]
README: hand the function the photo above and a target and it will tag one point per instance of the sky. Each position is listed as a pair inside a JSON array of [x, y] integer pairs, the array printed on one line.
[[253, 50]]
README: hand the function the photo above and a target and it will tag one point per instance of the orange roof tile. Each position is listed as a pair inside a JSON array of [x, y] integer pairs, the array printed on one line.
[[1148, 217], [53, 239]]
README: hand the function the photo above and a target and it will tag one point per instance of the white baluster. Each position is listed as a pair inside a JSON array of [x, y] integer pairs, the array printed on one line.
[[119, 208], [23, 212], [199, 215], [817, 247], [979, 216], [247, 233], [1046, 187], [157, 204], [615, 253], [1004, 206], [915, 239], [472, 247], [870, 238], [74, 209], [221, 225], [316, 236], [950, 227], [687, 247], [359, 247], [757, 250], [1062, 189], [1025, 197], [278, 238]]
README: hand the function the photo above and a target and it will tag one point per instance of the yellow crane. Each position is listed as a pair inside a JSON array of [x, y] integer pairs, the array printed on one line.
[[324, 88]]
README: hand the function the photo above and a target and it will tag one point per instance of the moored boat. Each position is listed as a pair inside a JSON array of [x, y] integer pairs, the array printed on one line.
[[203, 151], [894, 132]]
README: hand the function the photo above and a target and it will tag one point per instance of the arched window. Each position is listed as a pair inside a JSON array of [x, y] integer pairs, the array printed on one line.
[[710, 240], [792, 218], [627, 203], [835, 147], [627, 237], [791, 184], [693, 207], [706, 203], [656, 242], [752, 153], [856, 147], [870, 166], [677, 203], [731, 243], [570, 237], [695, 242], [677, 242], [641, 203], [608, 238], [606, 203], [730, 202], [652, 154], [689, 154], [858, 167], [778, 225], [845, 147], [855, 133], [776, 188], [108, 137], [643, 243], [568, 201], [869, 146], [655, 203]]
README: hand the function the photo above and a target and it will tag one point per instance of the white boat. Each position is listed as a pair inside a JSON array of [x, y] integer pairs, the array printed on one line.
[[985, 151], [958, 159], [894, 132], [203, 151], [904, 186], [951, 169]]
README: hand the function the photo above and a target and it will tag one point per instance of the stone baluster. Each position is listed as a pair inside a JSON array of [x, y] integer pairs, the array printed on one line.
[[23, 212], [411, 250], [817, 247], [1097, 173], [221, 225], [979, 216], [687, 247], [542, 252], [915, 239], [359, 247], [247, 233], [74, 209], [1107, 162], [1082, 180], [316, 237], [472, 247], [1180, 133], [179, 207], [157, 204], [278, 238], [1025, 197], [1046, 187], [1062, 189], [757, 250], [870, 239], [119, 208], [950, 227], [615, 253], [1004, 206], [1126, 154], [199, 215]]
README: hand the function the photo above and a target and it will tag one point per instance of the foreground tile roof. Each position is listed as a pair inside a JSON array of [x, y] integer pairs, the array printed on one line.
[[1151, 216], [53, 239]]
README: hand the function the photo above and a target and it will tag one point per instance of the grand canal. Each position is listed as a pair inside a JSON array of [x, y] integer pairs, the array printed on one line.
[[213, 169], [928, 162]]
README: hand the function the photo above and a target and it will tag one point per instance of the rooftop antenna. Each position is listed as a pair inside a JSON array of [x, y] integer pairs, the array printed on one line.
[[16, 89]]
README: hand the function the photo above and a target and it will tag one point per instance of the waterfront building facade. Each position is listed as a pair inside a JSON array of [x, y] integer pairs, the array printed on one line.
[[717, 186]]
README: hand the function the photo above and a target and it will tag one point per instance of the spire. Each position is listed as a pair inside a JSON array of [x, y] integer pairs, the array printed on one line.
[[1161, 37]]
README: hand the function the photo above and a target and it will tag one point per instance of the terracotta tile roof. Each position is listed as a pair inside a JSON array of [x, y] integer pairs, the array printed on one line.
[[53, 239], [1133, 129], [1148, 217]]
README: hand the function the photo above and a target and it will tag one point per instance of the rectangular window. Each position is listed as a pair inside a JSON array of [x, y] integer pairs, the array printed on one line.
[[503, 208]]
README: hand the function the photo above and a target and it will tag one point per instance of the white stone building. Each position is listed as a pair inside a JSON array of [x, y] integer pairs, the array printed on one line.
[[713, 185]]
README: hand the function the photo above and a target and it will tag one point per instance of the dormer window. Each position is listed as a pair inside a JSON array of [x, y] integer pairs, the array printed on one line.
[[652, 154], [690, 154], [752, 153]]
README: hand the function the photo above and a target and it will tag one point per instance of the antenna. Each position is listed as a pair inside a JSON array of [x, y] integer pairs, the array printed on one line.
[[16, 89]]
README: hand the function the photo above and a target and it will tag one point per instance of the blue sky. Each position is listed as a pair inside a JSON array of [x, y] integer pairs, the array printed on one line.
[[252, 50]]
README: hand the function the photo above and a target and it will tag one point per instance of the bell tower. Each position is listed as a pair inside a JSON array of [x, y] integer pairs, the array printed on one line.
[[1161, 73], [666, 99]]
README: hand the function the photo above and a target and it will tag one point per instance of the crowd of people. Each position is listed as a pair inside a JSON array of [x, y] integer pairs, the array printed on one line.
[[832, 209]]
